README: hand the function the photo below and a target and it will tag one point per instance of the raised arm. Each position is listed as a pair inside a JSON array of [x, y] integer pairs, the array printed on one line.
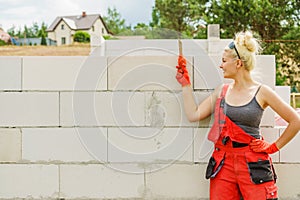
[[196, 112], [193, 111]]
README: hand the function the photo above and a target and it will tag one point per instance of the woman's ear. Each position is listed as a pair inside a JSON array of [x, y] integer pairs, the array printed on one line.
[[239, 63]]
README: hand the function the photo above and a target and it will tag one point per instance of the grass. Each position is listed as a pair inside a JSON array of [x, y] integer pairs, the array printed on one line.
[[66, 50]]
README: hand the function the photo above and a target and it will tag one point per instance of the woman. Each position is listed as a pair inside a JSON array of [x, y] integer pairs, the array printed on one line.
[[240, 166]]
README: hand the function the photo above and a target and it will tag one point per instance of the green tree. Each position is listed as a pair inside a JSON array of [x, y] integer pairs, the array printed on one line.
[[270, 18], [43, 40], [82, 37], [42, 30], [33, 31], [155, 18], [114, 21], [275, 21], [287, 52], [11, 31], [183, 16]]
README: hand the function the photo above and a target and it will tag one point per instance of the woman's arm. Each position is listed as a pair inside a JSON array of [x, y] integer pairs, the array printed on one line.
[[285, 111], [196, 112]]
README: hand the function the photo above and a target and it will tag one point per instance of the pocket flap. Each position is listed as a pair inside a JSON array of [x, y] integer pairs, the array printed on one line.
[[219, 157], [256, 157]]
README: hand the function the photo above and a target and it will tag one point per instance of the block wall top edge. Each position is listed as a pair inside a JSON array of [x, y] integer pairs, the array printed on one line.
[[11, 57]]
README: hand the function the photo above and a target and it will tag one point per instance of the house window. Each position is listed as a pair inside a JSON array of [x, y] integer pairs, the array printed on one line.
[[63, 40], [102, 30], [93, 28], [62, 27]]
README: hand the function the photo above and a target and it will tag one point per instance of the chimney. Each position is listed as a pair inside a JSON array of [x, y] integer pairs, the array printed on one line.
[[83, 14]]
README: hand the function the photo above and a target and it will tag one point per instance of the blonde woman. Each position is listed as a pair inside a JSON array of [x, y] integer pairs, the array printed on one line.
[[240, 166]]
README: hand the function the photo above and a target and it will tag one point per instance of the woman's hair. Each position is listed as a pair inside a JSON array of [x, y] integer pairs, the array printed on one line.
[[247, 47]]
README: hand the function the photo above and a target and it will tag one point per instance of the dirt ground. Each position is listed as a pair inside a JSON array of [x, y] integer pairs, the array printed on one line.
[[70, 50]]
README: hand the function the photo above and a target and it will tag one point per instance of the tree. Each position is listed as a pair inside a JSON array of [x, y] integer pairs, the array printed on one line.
[[270, 18], [155, 18], [43, 40], [287, 52], [275, 21], [29, 32], [114, 21], [183, 16]]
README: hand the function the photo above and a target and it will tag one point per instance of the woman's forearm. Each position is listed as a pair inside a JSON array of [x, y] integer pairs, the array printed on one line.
[[190, 106], [289, 133]]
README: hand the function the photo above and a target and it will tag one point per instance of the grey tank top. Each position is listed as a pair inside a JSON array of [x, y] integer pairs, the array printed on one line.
[[247, 117]]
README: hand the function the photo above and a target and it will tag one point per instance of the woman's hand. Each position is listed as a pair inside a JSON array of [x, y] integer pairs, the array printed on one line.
[[258, 145], [182, 75]]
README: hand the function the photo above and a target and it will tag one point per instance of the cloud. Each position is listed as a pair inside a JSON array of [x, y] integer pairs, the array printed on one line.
[[26, 12]]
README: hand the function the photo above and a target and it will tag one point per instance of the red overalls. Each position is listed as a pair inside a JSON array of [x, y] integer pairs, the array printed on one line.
[[234, 170]]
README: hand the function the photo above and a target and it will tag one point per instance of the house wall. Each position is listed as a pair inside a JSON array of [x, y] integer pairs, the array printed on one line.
[[52, 35], [58, 34], [113, 126], [66, 33], [98, 28]]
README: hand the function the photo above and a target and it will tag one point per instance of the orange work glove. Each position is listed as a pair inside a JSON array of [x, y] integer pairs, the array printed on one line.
[[258, 145], [181, 61], [182, 75]]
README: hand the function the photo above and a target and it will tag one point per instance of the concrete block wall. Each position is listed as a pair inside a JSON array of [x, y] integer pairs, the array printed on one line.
[[113, 126]]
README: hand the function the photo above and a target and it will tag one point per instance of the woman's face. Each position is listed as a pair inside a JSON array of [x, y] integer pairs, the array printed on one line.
[[228, 65]]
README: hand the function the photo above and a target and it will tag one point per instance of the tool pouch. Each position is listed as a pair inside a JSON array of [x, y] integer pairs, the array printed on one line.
[[215, 164], [260, 167]]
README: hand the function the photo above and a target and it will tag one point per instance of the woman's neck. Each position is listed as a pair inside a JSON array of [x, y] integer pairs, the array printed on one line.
[[243, 80]]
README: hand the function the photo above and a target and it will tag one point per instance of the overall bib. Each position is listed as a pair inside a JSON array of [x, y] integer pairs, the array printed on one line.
[[234, 170]]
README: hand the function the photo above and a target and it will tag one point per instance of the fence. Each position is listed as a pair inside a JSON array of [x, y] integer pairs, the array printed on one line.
[[295, 100]]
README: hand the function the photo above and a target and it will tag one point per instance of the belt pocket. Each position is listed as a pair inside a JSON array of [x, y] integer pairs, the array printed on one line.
[[260, 167], [215, 164]]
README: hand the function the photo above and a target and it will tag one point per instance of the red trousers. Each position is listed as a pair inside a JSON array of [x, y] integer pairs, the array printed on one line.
[[233, 180]]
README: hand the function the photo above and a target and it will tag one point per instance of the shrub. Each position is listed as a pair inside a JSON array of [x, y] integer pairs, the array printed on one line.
[[81, 36]]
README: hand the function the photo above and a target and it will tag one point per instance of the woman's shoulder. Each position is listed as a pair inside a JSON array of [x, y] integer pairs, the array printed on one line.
[[265, 89], [218, 90], [265, 95]]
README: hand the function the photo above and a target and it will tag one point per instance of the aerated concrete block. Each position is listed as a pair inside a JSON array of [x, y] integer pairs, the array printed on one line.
[[289, 153], [21, 181], [166, 109], [203, 148], [99, 182], [271, 135], [207, 74], [288, 180], [63, 73], [178, 181], [10, 73], [158, 47], [10, 145], [150, 144], [144, 73], [29, 109], [102, 109], [64, 145]]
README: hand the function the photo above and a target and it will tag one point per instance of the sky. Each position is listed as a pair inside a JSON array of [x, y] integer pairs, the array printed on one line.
[[26, 12]]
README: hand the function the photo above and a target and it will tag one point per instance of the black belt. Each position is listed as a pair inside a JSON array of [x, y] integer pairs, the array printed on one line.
[[238, 144]]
